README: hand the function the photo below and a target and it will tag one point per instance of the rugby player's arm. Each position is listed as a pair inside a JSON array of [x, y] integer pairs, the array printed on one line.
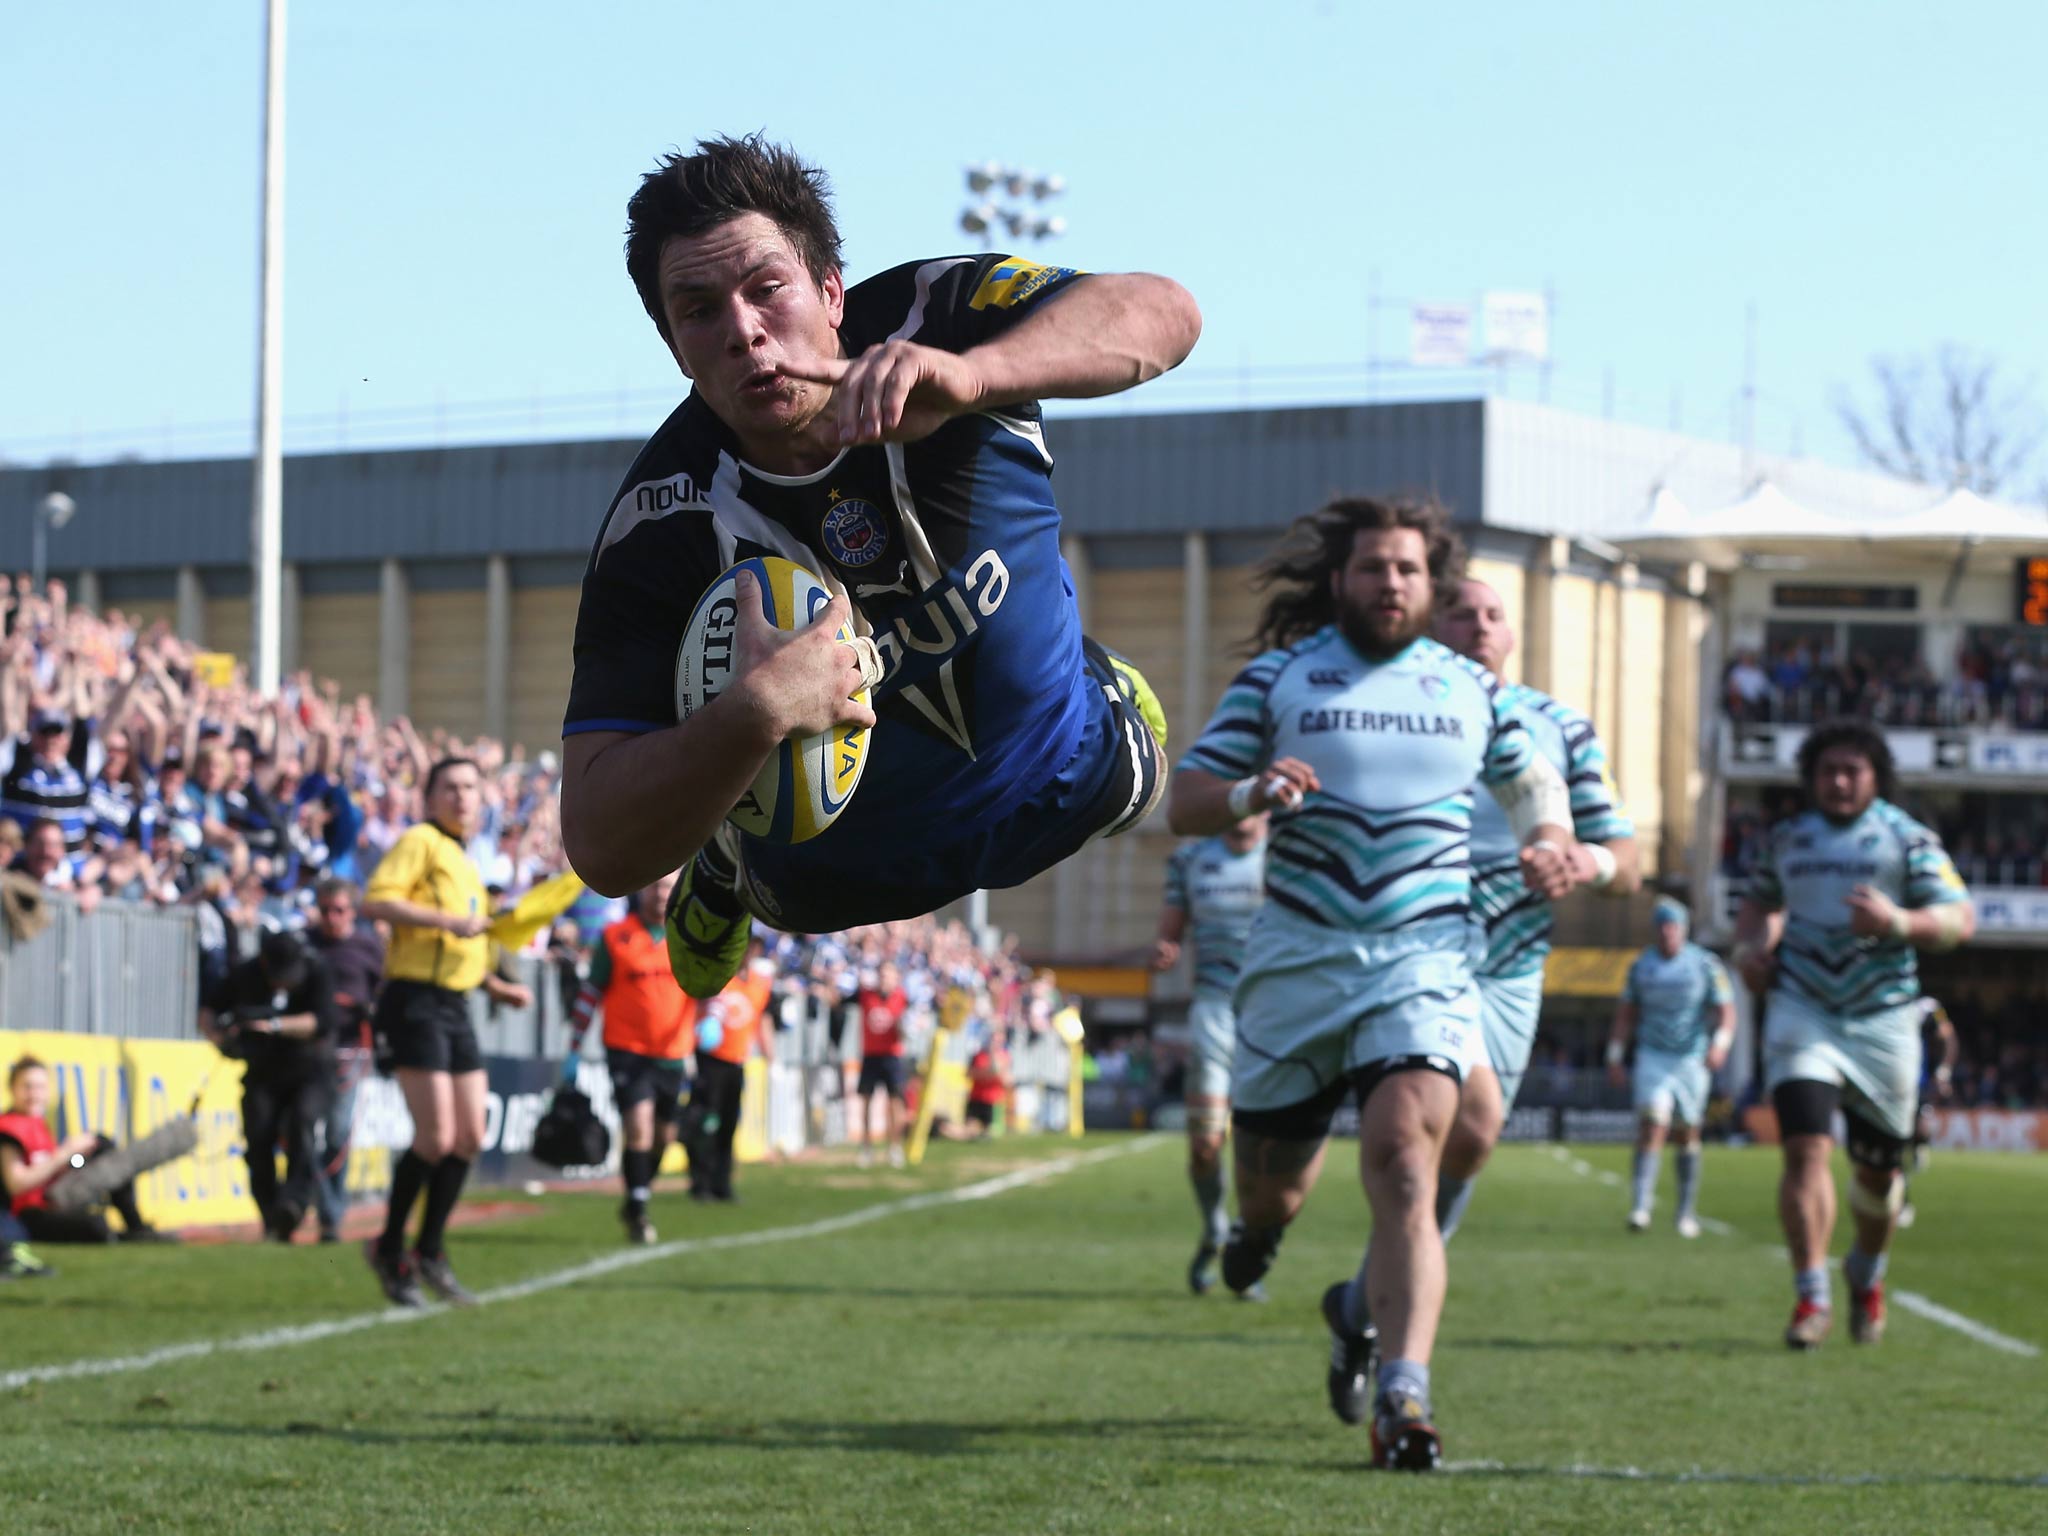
[[1619, 1034], [1198, 803], [1173, 927], [636, 807], [1722, 1039], [1628, 865], [1940, 927], [1099, 335], [1757, 931]]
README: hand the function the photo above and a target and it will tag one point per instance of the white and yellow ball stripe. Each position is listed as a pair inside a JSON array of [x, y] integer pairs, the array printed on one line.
[[808, 781]]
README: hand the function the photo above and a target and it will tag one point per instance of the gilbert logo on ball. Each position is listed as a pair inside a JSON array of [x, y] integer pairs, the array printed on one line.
[[807, 782]]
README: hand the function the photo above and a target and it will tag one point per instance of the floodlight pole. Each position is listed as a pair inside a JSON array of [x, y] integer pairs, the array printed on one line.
[[266, 521]]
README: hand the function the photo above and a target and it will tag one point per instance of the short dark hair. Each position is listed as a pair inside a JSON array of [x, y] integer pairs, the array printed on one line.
[[334, 886], [283, 958], [24, 1064], [1297, 574], [1858, 736], [445, 765], [726, 177]]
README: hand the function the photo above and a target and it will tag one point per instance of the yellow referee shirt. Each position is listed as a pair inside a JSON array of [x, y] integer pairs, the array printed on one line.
[[431, 869]]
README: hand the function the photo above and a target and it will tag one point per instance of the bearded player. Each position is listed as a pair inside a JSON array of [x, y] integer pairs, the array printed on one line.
[[1367, 737]]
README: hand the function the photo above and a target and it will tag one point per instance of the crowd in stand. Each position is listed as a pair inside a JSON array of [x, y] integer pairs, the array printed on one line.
[[1998, 681], [2003, 1062], [130, 768]]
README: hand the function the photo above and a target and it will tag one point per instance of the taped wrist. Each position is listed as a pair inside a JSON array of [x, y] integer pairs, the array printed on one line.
[[1603, 865], [1240, 801], [1535, 797]]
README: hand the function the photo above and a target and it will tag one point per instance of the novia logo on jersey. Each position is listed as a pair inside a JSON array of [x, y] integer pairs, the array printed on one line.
[[853, 533], [1434, 688], [1867, 841], [1329, 679]]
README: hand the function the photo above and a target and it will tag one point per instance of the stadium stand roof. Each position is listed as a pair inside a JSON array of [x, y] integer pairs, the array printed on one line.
[[1506, 464]]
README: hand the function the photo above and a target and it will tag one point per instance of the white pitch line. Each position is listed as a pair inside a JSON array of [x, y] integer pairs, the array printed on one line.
[[1710, 1475], [1934, 1312], [1912, 1301], [310, 1333]]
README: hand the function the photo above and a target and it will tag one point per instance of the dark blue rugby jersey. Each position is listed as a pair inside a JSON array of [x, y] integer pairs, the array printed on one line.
[[948, 547]]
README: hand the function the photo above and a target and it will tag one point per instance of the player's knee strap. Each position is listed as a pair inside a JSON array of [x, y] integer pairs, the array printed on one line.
[[1209, 1116], [1870, 1145], [1806, 1107], [1868, 1203], [1308, 1120]]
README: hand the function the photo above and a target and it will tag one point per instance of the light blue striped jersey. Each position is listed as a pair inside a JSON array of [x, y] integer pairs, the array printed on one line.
[[1386, 842], [1517, 919], [1220, 892], [1809, 867], [1673, 996]]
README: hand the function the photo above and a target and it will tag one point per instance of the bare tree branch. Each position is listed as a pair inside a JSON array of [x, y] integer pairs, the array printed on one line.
[[1963, 427]]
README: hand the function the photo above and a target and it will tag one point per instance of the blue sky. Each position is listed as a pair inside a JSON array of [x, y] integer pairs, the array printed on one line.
[[1868, 176]]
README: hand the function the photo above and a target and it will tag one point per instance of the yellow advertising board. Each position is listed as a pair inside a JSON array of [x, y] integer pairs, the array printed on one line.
[[210, 1187], [125, 1089]]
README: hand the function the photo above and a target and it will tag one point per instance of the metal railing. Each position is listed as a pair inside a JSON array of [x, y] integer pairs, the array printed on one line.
[[123, 970]]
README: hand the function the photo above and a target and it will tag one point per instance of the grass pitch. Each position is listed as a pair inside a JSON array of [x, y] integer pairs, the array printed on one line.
[[856, 1352]]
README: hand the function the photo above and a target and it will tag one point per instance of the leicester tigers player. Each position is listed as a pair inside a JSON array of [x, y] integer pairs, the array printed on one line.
[[1474, 623], [1847, 892], [885, 435], [1213, 890]]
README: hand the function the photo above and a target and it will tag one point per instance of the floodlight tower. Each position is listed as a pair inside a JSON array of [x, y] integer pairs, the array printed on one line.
[[991, 179], [53, 511]]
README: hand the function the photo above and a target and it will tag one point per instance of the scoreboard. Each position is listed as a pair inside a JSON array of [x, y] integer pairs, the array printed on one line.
[[2030, 599]]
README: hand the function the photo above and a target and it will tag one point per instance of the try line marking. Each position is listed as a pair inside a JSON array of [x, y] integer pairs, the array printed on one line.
[[1912, 1301], [1755, 1479], [612, 1263]]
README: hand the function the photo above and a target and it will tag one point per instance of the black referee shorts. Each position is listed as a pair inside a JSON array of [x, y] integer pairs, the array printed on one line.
[[427, 1027]]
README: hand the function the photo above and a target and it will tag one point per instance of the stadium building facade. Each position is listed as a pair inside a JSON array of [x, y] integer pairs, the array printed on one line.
[[444, 582]]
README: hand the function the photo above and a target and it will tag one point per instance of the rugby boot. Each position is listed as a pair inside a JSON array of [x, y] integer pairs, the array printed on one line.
[[706, 946], [395, 1275], [1202, 1269], [1247, 1256], [441, 1279], [1353, 1354], [1403, 1439], [1639, 1220], [1866, 1314], [1688, 1227], [1809, 1326]]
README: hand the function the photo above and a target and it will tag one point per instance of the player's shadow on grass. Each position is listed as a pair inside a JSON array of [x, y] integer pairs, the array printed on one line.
[[523, 1431], [1737, 1344]]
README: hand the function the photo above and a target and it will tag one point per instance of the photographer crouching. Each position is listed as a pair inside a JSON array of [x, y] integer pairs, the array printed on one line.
[[276, 1014], [33, 1160]]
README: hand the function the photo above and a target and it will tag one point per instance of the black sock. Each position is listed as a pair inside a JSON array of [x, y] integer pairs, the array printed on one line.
[[715, 878], [407, 1180], [443, 1190], [638, 1169]]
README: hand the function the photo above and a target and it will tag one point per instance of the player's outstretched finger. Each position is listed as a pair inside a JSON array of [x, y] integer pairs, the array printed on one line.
[[897, 384]]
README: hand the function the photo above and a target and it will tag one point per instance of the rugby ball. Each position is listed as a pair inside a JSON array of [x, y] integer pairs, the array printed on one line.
[[808, 781]]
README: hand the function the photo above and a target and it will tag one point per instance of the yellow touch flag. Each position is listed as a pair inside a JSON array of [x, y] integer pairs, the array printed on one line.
[[515, 927]]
